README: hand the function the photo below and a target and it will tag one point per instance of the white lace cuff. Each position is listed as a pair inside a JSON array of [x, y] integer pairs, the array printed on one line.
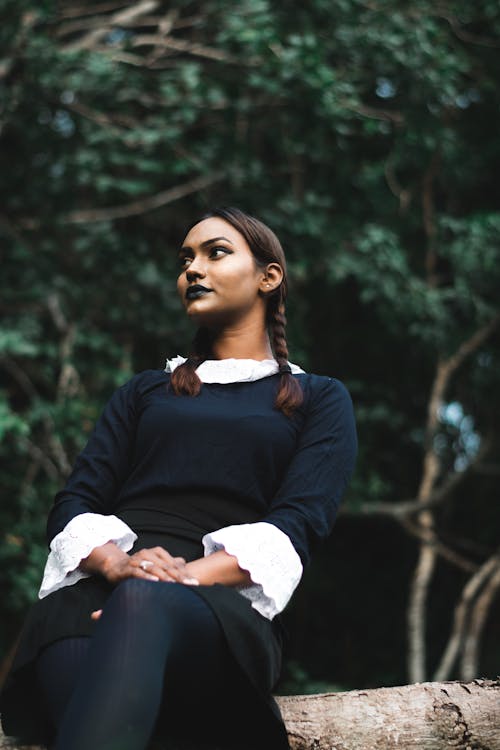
[[268, 555], [75, 542]]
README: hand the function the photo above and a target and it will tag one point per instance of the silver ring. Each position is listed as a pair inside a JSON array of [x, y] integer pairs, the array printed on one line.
[[145, 564]]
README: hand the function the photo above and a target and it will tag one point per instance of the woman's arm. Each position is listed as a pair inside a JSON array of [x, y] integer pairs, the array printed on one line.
[[103, 465], [302, 512], [109, 561], [81, 518], [219, 567]]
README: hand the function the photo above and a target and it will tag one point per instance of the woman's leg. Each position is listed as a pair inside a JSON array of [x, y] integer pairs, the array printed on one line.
[[144, 627], [58, 667]]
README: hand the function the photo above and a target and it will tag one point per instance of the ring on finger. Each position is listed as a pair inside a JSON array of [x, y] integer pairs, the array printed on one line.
[[146, 564]]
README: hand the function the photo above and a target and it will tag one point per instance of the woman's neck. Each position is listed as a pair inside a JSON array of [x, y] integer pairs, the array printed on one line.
[[242, 345]]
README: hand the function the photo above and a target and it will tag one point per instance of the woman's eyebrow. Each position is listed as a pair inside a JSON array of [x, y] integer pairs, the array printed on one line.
[[206, 243]]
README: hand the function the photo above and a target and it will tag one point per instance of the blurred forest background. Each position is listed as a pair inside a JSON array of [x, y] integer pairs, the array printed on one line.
[[366, 134]]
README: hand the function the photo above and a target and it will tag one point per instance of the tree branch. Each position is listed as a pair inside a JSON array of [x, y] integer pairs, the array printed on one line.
[[90, 10], [470, 655], [374, 113], [120, 18], [467, 36], [192, 48], [144, 204], [426, 562], [402, 194], [461, 614], [38, 455], [438, 547], [406, 508]]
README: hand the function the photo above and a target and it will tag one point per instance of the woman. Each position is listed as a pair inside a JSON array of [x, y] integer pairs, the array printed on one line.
[[184, 528]]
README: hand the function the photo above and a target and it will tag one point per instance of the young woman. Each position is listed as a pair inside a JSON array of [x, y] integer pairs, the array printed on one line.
[[185, 525]]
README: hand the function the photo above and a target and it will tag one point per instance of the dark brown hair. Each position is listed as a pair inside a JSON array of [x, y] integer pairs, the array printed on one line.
[[266, 248]]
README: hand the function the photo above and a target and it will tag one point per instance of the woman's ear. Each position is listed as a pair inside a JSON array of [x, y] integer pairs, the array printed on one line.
[[271, 278]]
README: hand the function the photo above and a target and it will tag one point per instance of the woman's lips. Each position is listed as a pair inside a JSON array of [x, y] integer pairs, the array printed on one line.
[[193, 292]]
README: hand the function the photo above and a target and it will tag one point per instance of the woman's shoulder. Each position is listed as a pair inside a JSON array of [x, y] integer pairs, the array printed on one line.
[[324, 387], [142, 382]]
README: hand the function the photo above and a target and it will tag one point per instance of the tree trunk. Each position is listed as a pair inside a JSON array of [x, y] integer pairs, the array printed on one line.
[[426, 716]]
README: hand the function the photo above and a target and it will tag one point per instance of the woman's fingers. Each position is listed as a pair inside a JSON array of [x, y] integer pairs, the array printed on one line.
[[159, 562], [151, 570], [161, 554]]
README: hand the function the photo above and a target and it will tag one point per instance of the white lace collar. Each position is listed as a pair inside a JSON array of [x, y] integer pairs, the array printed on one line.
[[232, 370]]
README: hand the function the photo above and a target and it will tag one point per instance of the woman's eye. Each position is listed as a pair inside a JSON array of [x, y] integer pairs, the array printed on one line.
[[183, 260], [215, 250]]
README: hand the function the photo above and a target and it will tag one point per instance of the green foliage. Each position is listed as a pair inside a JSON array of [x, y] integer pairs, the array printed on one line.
[[365, 134]]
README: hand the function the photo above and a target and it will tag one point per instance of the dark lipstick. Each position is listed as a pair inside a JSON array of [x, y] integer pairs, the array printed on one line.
[[195, 291]]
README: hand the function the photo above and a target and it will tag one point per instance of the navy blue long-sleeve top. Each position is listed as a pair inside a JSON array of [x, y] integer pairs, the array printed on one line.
[[150, 448]]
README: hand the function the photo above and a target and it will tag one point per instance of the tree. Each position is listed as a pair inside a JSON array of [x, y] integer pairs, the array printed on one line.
[[365, 134]]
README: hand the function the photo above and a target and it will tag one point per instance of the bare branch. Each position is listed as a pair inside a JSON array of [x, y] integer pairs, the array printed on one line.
[[90, 10], [407, 508], [374, 113], [120, 18], [439, 547], [56, 313], [402, 194], [470, 656], [90, 24], [87, 24], [188, 21], [114, 123], [473, 343], [416, 615], [60, 455], [125, 57], [69, 379], [29, 389], [30, 476], [107, 23], [192, 48], [143, 205], [467, 36], [462, 609], [431, 468], [39, 457]]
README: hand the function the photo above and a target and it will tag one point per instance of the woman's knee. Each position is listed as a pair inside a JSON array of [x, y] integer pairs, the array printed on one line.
[[177, 602]]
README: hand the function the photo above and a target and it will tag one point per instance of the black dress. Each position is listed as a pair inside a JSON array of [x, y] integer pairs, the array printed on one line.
[[174, 468]]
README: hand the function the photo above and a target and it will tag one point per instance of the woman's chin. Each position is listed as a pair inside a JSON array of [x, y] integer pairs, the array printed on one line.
[[198, 311]]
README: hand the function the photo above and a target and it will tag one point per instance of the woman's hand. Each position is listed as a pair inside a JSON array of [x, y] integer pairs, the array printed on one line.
[[160, 564], [154, 564], [113, 564]]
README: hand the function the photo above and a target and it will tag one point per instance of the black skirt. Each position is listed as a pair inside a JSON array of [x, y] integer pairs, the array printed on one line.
[[254, 641]]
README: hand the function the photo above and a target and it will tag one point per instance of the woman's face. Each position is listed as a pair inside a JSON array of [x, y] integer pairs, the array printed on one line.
[[220, 283]]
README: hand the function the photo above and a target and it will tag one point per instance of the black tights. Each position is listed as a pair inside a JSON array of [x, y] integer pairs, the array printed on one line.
[[158, 659]]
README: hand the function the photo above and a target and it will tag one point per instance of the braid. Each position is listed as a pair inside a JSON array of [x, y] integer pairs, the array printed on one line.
[[290, 394], [265, 248], [184, 379]]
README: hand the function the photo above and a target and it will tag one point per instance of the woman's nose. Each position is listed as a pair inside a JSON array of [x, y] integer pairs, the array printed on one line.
[[194, 270]]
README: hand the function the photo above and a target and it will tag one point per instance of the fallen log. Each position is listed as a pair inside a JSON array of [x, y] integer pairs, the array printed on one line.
[[424, 716]]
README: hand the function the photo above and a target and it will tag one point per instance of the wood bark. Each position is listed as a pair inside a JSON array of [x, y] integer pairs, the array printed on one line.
[[426, 716]]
